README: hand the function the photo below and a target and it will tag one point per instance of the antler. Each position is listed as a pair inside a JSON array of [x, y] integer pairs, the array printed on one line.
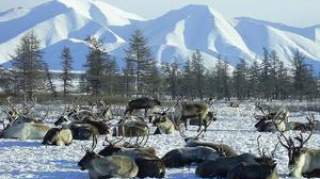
[[300, 137], [289, 142], [172, 107], [258, 106], [261, 153], [274, 150], [28, 105], [311, 121], [11, 104], [46, 114]]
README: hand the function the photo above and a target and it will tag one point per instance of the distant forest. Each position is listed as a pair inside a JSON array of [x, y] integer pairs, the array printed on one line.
[[142, 76]]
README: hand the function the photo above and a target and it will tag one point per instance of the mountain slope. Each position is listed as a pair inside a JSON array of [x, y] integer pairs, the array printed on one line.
[[180, 32], [285, 40], [61, 21]]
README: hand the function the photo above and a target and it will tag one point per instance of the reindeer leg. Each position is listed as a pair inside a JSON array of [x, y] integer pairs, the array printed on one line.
[[185, 122], [205, 122], [200, 123], [145, 112], [126, 111]]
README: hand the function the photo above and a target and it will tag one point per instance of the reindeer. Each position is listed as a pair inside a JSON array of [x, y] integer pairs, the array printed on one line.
[[58, 136], [104, 111], [83, 131], [130, 128], [84, 128], [182, 157], [107, 167], [303, 126], [164, 124], [224, 167], [253, 171], [72, 115], [145, 157], [303, 162], [142, 103], [273, 122], [234, 104], [223, 149], [264, 168], [266, 116], [186, 156], [199, 111], [24, 127]]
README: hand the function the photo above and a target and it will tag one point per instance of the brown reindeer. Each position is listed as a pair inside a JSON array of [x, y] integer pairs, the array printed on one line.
[[107, 167], [141, 103], [198, 111]]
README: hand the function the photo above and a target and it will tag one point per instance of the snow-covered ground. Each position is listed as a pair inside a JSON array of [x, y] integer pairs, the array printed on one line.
[[30, 159]]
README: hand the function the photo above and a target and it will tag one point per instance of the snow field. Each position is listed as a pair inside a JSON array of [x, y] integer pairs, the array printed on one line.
[[30, 159]]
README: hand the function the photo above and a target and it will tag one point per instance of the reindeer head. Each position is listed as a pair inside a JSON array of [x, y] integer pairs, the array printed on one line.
[[159, 118], [65, 116], [90, 155], [111, 147], [294, 151]]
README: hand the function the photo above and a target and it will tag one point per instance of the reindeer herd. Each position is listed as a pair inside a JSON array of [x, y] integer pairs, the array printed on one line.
[[126, 134]]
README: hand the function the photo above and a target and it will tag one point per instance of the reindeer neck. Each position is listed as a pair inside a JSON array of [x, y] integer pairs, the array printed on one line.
[[300, 166]]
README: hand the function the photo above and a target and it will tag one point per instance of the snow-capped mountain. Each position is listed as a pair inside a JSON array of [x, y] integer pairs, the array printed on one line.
[[60, 23], [285, 40], [176, 34]]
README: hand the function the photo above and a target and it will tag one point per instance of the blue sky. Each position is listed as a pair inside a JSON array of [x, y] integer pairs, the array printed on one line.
[[292, 12]]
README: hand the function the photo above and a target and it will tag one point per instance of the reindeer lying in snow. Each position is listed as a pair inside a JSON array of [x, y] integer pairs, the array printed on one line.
[[311, 125], [186, 156], [244, 166], [272, 122], [85, 127], [22, 125], [223, 149], [303, 162], [164, 124], [107, 167], [145, 157], [58, 136]]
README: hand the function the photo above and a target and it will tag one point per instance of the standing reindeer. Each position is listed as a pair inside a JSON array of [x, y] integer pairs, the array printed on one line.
[[142, 103], [199, 111], [303, 162], [120, 166], [131, 128]]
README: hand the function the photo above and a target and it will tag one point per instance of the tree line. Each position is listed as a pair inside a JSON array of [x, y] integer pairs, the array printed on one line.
[[142, 75]]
